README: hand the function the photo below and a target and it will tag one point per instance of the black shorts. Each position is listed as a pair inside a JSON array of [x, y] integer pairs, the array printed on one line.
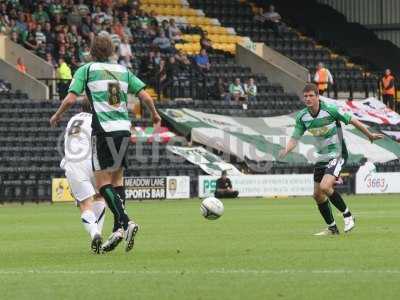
[[333, 167], [110, 152]]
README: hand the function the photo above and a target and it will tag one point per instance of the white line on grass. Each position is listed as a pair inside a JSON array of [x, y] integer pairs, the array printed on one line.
[[181, 272]]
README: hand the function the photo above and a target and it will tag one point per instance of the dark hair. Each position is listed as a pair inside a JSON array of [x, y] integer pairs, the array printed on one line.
[[311, 87], [102, 48], [85, 106]]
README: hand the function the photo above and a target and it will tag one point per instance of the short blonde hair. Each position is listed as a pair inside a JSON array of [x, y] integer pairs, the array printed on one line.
[[102, 48]]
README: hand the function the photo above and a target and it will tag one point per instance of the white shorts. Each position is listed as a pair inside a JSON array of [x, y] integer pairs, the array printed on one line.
[[81, 179]]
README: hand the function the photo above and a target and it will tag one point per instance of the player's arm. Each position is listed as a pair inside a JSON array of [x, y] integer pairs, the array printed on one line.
[[298, 132], [349, 119], [76, 88], [371, 135], [68, 101], [289, 147], [136, 87], [148, 101]]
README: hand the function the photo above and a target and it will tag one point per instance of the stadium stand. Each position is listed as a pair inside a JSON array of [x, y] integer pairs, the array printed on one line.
[[333, 30], [299, 47]]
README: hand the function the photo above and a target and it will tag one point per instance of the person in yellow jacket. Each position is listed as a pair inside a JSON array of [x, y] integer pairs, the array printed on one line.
[[388, 89], [64, 75], [322, 78]]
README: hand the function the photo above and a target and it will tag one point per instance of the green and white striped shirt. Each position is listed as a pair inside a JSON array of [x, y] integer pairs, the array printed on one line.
[[325, 129], [107, 86]]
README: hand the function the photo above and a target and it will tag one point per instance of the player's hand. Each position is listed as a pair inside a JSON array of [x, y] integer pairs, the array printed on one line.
[[156, 120], [54, 120], [376, 136]]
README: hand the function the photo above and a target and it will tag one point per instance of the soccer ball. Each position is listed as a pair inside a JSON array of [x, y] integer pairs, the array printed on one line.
[[211, 208]]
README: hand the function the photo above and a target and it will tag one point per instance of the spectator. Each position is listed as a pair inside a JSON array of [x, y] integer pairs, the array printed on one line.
[[182, 59], [64, 74], [272, 19], [118, 28], [98, 13], [148, 67], [49, 59], [175, 33], [165, 27], [74, 64], [57, 23], [163, 43], [21, 23], [41, 50], [152, 19], [83, 9], [125, 61], [115, 38], [388, 89], [97, 25], [251, 90], [72, 35], [20, 65], [86, 27], [126, 30], [322, 77], [84, 55], [124, 49], [223, 187], [222, 90], [143, 19], [73, 17], [172, 71], [205, 42], [29, 40], [40, 16], [39, 35], [135, 64], [55, 8], [15, 37], [134, 21], [236, 90], [202, 60], [49, 34], [3, 25]]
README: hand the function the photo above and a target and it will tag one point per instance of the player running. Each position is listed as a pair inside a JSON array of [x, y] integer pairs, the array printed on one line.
[[77, 164], [323, 122], [107, 86]]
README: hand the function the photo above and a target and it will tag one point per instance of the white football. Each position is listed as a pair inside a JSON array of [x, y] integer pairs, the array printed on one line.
[[211, 208]]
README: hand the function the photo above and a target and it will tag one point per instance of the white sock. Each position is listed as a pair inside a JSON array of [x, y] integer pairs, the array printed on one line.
[[346, 211], [99, 209], [89, 222], [333, 224]]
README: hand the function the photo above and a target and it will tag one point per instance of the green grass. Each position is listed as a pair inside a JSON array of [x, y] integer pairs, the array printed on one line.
[[259, 249]]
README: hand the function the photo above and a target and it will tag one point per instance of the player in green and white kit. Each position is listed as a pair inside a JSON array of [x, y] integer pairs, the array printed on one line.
[[107, 86], [323, 122]]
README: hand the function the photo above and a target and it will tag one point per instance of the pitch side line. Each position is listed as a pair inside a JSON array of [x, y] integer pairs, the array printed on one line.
[[188, 272]]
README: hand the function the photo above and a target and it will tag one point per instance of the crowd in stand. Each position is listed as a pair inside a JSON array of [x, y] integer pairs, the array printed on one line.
[[61, 32]]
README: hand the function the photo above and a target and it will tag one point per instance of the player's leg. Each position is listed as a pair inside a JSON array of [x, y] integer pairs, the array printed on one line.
[[327, 187], [117, 234], [118, 183], [103, 161], [99, 209], [89, 221], [133, 228], [112, 198], [323, 203]]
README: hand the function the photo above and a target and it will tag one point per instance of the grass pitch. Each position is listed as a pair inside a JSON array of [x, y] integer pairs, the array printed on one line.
[[259, 249]]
